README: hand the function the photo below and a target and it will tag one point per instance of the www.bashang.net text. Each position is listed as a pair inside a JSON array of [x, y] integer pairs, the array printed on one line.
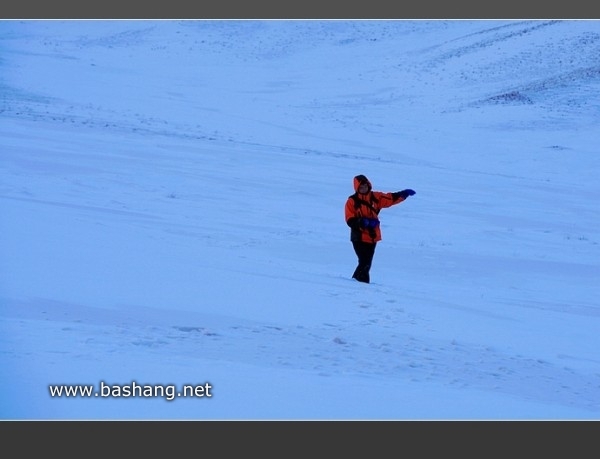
[[169, 392]]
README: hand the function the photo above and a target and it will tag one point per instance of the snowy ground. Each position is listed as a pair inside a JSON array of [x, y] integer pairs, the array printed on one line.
[[172, 201]]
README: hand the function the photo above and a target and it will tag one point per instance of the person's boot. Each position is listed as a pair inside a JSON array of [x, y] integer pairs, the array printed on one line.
[[361, 275]]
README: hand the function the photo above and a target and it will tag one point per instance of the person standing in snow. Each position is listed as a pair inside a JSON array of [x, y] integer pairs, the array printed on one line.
[[362, 216]]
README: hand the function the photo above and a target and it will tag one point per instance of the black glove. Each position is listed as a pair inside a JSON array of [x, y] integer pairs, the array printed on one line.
[[403, 194], [354, 223]]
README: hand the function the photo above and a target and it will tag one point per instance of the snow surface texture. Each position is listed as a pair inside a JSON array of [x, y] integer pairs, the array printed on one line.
[[172, 201]]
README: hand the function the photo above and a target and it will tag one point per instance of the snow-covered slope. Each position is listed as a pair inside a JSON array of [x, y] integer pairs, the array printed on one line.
[[172, 213]]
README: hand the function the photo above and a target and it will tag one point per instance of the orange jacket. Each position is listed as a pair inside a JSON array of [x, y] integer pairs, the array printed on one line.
[[367, 205]]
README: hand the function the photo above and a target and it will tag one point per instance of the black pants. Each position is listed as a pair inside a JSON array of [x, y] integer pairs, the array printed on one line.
[[364, 252]]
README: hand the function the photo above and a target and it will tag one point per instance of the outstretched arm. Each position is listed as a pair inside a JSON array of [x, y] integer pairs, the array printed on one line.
[[403, 194], [390, 199]]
